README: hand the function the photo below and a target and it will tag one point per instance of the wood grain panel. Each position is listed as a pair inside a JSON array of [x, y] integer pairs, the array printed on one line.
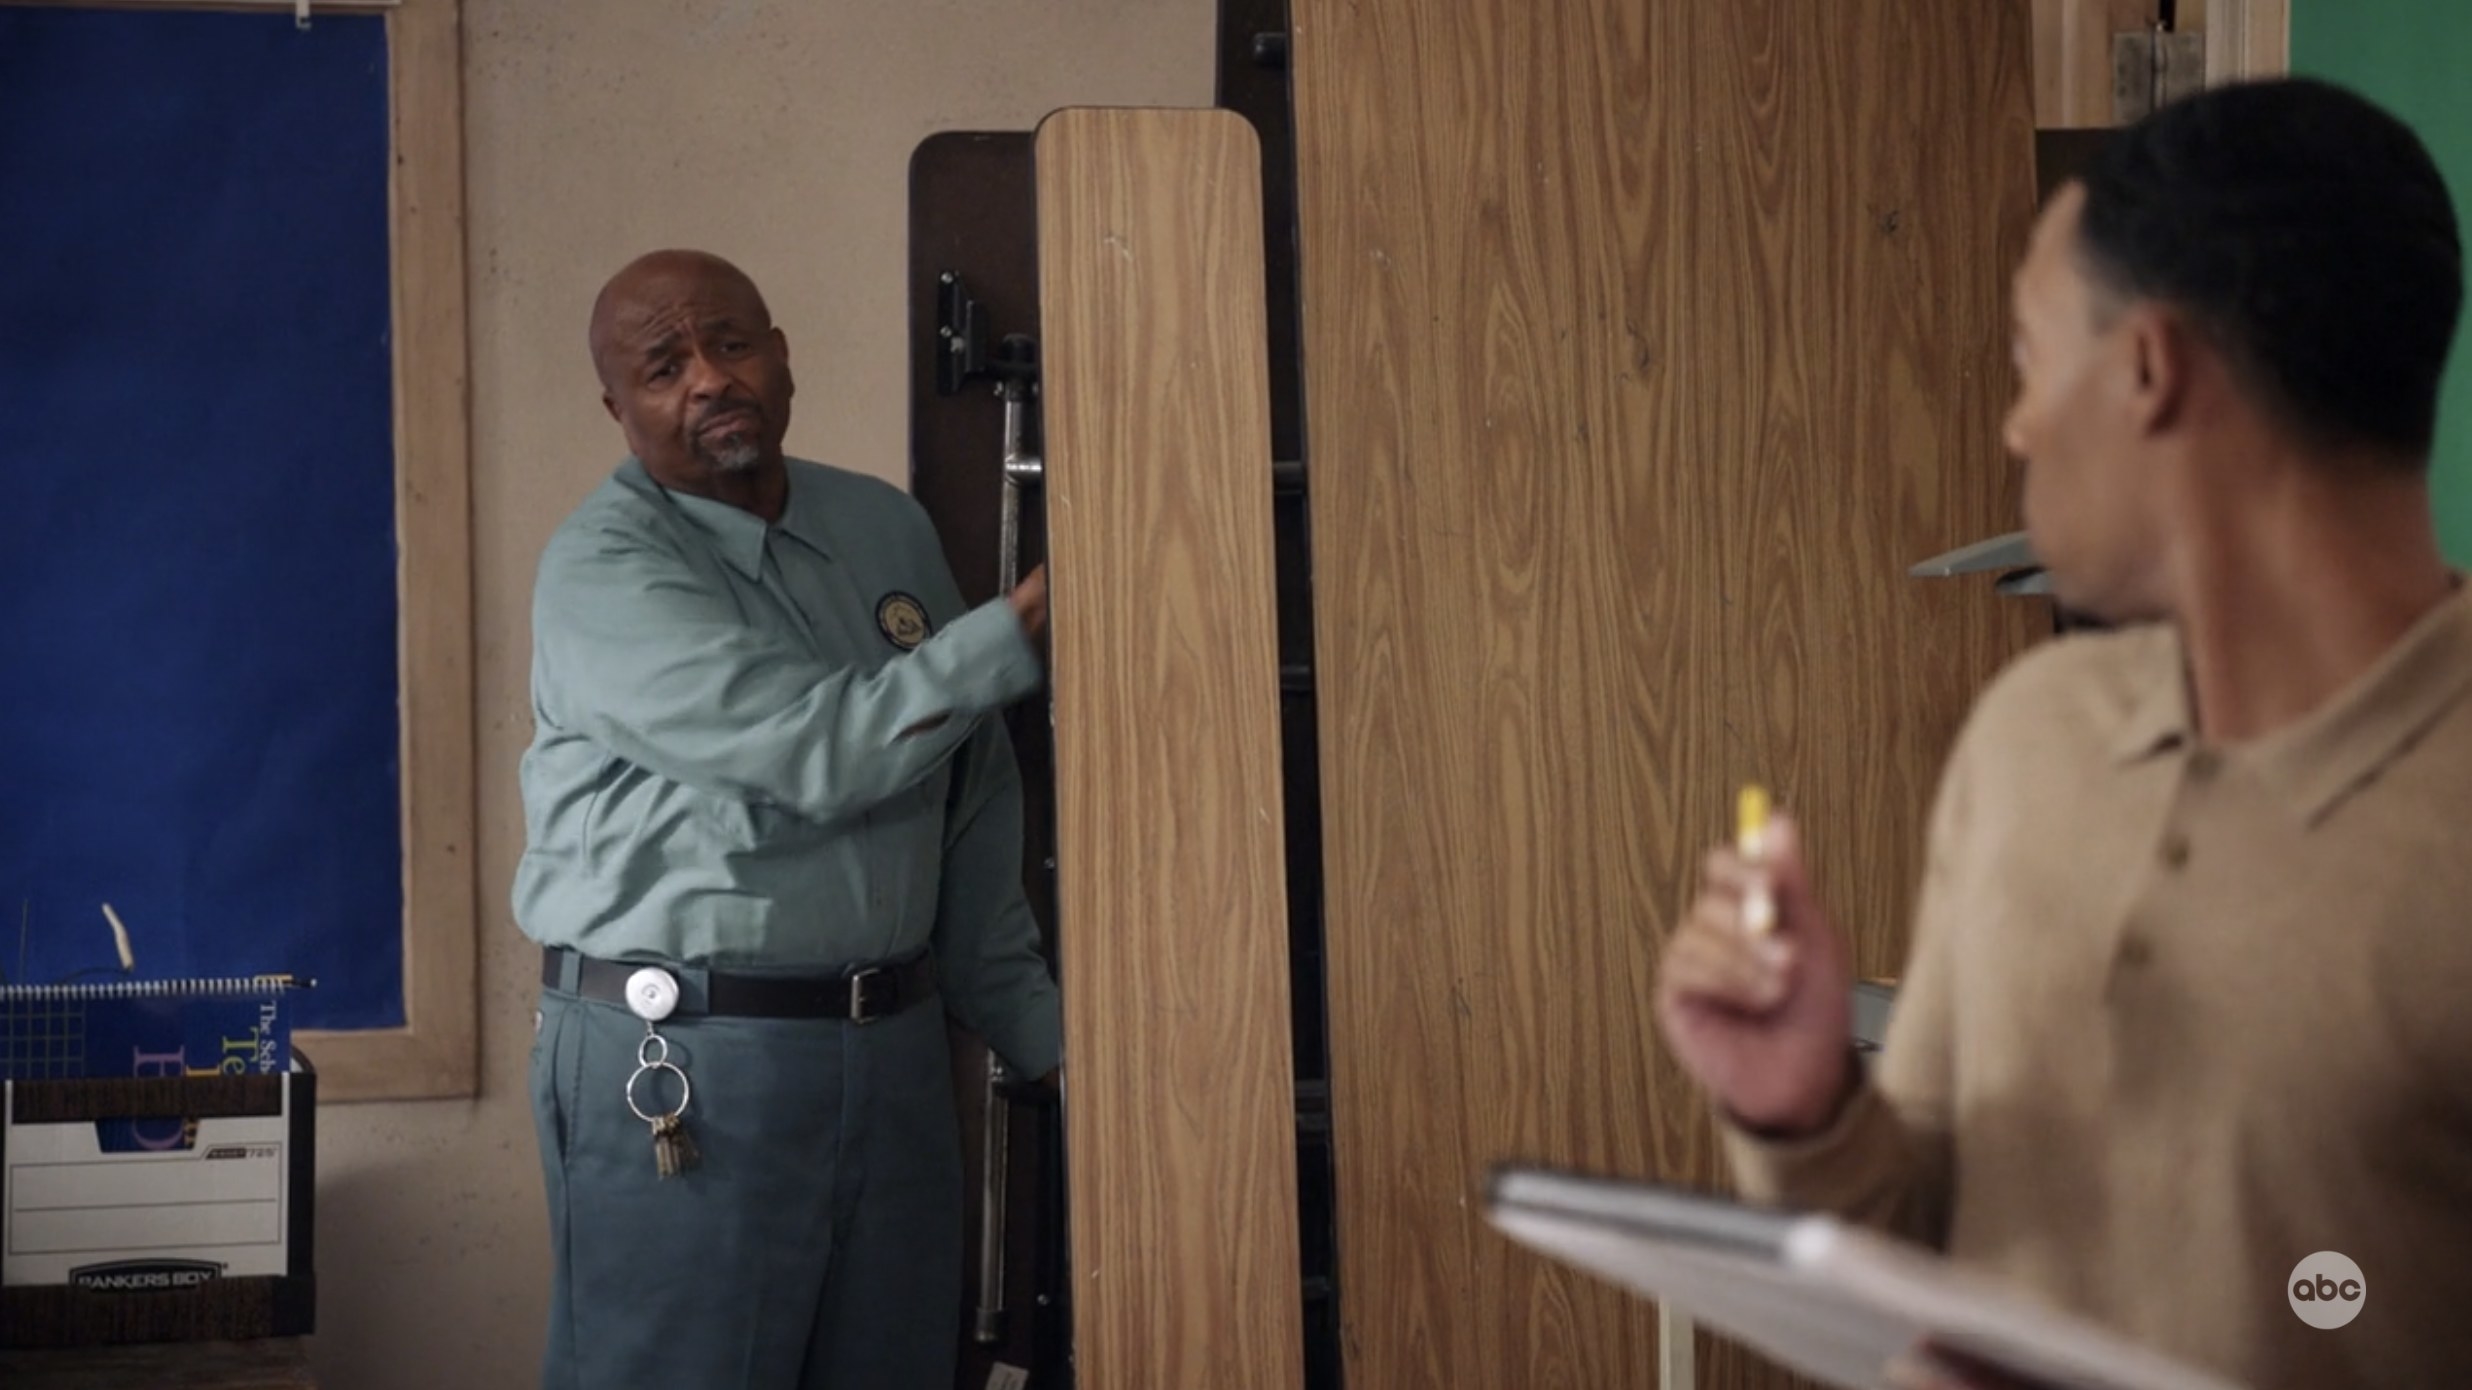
[[1172, 915], [1646, 346], [2247, 40]]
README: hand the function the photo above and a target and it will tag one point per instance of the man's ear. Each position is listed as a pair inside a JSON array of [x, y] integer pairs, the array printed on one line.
[[610, 404], [2162, 345], [781, 345]]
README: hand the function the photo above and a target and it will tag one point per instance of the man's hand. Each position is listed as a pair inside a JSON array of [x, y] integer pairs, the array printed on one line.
[[1029, 600], [1764, 1022], [1933, 1367]]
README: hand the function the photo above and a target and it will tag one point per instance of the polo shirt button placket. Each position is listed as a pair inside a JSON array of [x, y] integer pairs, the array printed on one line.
[[2135, 950], [2203, 765]]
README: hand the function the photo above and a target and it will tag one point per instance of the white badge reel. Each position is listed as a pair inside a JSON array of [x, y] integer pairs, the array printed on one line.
[[652, 993]]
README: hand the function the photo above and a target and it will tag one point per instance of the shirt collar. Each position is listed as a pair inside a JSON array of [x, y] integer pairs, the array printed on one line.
[[2158, 718], [738, 534], [806, 515], [2342, 746]]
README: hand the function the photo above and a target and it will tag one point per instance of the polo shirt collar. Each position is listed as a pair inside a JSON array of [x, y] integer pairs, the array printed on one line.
[[2346, 743]]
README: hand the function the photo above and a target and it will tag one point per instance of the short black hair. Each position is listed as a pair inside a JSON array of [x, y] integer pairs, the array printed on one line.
[[2308, 234]]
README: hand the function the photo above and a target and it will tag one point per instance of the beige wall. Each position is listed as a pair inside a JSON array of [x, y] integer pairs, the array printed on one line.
[[778, 133]]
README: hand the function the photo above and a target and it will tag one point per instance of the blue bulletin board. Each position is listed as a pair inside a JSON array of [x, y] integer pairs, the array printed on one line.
[[198, 683]]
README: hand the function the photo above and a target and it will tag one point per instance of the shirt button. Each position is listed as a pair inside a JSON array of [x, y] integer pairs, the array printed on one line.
[[2205, 763], [2175, 850]]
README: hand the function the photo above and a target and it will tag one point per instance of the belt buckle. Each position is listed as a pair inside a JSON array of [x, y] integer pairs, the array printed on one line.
[[859, 1013]]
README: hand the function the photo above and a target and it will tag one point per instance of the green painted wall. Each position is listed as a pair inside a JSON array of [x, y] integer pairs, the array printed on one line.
[[2414, 57]]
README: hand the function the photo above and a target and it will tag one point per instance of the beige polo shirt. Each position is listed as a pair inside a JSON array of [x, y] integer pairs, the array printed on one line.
[[2178, 1016]]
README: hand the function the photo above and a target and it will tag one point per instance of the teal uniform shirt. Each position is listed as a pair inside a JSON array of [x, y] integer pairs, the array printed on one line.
[[773, 747]]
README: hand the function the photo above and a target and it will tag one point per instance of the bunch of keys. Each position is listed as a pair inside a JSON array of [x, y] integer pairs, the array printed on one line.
[[653, 995]]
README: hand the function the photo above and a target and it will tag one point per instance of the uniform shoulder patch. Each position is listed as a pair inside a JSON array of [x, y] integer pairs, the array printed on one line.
[[903, 620]]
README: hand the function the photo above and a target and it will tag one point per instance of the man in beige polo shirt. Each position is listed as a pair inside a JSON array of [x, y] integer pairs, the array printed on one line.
[[2190, 995]]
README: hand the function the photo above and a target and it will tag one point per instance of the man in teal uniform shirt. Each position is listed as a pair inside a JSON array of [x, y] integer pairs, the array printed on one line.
[[771, 823]]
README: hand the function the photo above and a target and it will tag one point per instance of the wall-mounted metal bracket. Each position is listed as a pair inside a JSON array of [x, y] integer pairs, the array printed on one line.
[[968, 352]]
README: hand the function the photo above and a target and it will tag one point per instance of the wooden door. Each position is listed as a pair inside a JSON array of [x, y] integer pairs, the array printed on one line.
[[1646, 345]]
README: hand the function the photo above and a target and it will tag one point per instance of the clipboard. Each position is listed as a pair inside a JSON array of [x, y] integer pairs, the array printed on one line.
[[1831, 1300]]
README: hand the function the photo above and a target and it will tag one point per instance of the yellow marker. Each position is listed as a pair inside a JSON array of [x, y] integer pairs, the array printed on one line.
[[1750, 819], [1759, 908]]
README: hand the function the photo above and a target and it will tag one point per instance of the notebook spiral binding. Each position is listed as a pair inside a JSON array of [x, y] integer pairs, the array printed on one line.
[[217, 988]]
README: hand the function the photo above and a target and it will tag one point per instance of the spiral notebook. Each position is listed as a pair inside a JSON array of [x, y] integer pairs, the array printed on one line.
[[227, 1026], [236, 1026], [1832, 1301]]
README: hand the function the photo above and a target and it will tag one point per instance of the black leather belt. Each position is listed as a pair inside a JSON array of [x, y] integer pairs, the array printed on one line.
[[861, 996]]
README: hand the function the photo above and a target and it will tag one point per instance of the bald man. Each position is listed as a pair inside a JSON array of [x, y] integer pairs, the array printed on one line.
[[771, 824]]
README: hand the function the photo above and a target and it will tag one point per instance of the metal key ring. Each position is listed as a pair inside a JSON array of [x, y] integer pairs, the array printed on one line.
[[686, 1091], [644, 1055]]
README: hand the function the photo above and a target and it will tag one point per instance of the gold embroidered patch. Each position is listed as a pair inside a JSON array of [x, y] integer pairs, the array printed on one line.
[[903, 620]]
